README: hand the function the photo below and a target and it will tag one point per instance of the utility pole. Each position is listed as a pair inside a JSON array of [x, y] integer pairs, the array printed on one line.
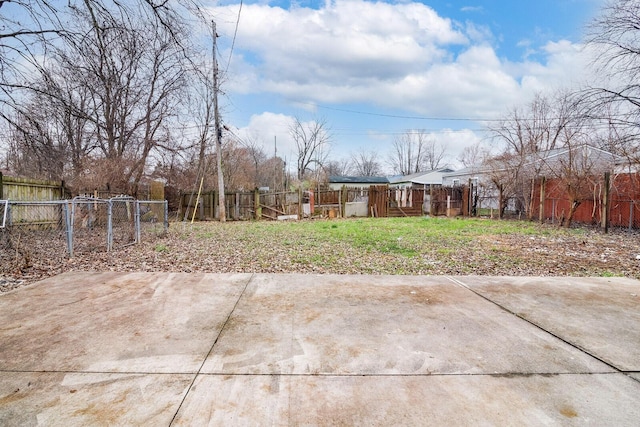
[[218, 130]]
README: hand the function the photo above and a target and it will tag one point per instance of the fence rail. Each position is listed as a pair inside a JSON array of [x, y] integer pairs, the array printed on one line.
[[56, 230]]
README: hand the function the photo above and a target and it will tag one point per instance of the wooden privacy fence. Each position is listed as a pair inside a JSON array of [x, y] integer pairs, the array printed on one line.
[[608, 200], [248, 205], [376, 201], [448, 201], [612, 201], [24, 190]]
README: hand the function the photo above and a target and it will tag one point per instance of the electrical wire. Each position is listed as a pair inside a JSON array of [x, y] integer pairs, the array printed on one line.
[[233, 42], [395, 116]]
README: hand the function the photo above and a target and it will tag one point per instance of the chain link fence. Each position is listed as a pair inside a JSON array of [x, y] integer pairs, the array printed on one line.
[[153, 219], [31, 230], [57, 230]]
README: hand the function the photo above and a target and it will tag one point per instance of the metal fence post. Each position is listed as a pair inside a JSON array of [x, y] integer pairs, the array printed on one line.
[[631, 215], [109, 225], [68, 228], [166, 216], [541, 212], [606, 206], [72, 220], [5, 214], [136, 220]]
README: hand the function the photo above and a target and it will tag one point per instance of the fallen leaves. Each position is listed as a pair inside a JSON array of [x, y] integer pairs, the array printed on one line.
[[254, 247]]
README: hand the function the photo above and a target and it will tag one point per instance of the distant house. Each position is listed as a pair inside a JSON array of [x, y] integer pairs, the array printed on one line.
[[337, 182], [509, 178], [549, 163], [462, 176], [419, 179]]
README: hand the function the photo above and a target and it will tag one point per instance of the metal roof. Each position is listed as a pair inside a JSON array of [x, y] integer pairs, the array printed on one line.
[[358, 180]]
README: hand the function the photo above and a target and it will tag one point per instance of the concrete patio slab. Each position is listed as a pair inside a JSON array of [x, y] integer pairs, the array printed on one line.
[[564, 399], [116, 322], [294, 324], [79, 399], [599, 315], [164, 349]]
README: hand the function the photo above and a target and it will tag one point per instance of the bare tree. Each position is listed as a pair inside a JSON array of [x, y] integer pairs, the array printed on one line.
[[406, 153], [31, 29], [504, 173], [615, 36], [106, 77], [341, 167], [538, 126], [578, 172], [312, 141], [529, 133], [415, 151], [473, 155], [201, 109], [127, 75], [26, 29], [366, 163], [255, 151], [434, 154], [273, 174]]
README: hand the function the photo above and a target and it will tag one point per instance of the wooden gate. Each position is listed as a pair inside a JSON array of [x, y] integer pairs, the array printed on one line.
[[378, 200], [447, 197]]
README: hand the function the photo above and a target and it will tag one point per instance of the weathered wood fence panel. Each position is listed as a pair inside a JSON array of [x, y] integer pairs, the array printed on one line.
[[26, 190], [378, 200], [623, 204], [317, 202], [447, 201]]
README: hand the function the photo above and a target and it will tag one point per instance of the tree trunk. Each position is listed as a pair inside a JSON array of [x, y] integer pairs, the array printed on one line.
[[573, 205]]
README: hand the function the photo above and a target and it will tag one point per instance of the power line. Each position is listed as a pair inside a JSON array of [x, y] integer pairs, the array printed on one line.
[[233, 42], [396, 116]]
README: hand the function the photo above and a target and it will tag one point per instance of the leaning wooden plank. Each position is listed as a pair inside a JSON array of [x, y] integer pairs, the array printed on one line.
[[271, 208]]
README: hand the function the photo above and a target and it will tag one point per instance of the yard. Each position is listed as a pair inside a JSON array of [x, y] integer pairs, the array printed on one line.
[[413, 246]]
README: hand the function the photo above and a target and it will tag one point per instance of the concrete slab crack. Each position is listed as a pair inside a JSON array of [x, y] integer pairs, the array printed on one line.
[[204, 360]]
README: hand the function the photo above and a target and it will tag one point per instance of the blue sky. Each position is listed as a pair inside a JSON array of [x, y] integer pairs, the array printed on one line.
[[374, 70]]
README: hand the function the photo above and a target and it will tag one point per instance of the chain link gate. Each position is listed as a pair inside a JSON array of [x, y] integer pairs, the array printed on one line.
[[56, 230], [32, 230]]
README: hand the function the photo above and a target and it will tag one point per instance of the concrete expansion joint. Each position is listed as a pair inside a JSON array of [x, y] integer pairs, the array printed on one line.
[[634, 375], [404, 375], [534, 324], [86, 372], [224, 325]]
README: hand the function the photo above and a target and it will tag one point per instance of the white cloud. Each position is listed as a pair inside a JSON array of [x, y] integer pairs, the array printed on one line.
[[566, 65], [266, 126], [346, 41], [394, 56], [472, 9], [416, 60], [269, 128]]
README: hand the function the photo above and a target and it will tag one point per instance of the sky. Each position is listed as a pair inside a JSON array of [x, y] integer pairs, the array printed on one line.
[[375, 70]]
